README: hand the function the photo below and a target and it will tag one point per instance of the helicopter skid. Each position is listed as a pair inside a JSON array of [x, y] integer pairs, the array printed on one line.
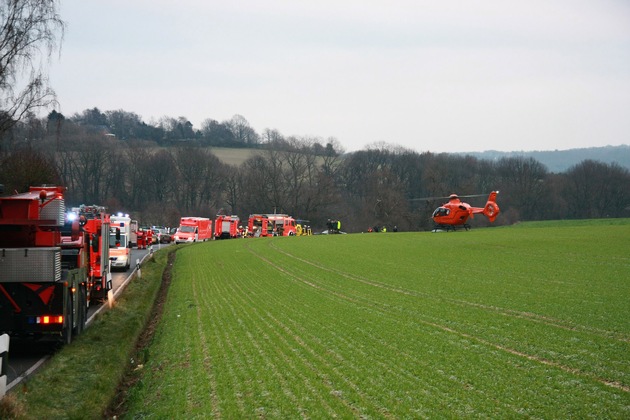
[[448, 228]]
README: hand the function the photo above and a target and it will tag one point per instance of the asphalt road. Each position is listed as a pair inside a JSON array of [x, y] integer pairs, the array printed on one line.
[[25, 357]]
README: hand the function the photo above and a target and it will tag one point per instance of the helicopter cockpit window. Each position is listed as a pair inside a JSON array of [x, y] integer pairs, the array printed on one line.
[[441, 211]]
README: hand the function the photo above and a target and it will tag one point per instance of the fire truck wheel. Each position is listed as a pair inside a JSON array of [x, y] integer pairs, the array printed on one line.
[[67, 331], [82, 311]]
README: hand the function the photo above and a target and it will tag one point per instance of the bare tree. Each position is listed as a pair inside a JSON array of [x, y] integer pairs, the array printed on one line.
[[524, 182], [197, 171], [27, 167], [215, 133], [88, 169], [242, 131], [295, 174], [233, 188], [361, 166], [123, 124], [264, 188], [271, 136], [596, 189], [140, 175], [29, 30], [162, 182], [331, 156], [214, 181]]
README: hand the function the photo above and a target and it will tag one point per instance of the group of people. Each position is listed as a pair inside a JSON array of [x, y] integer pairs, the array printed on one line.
[[144, 238], [334, 226], [381, 229]]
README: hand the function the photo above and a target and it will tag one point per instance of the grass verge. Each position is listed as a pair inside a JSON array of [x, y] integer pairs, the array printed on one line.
[[82, 379]]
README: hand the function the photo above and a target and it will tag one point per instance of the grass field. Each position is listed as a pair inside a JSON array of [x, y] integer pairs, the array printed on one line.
[[524, 321], [232, 156]]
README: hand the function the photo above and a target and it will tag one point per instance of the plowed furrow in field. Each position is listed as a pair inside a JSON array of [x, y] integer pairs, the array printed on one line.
[[601, 366], [207, 354], [289, 366], [230, 366], [400, 369], [288, 340], [437, 323], [554, 322]]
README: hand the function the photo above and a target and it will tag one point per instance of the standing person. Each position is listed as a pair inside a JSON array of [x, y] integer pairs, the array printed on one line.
[[141, 239]]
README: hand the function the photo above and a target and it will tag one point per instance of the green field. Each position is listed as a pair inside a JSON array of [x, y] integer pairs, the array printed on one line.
[[524, 321]]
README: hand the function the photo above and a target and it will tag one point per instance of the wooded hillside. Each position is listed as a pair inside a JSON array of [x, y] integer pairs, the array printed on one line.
[[308, 178]]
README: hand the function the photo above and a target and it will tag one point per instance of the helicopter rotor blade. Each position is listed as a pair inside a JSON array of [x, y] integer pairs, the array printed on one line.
[[472, 195], [447, 197], [428, 198]]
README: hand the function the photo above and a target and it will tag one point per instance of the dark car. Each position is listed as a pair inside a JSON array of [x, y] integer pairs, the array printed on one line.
[[162, 234]]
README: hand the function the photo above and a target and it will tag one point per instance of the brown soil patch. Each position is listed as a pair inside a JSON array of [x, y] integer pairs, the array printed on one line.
[[118, 406]]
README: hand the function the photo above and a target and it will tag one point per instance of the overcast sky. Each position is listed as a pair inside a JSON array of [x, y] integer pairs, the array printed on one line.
[[439, 76]]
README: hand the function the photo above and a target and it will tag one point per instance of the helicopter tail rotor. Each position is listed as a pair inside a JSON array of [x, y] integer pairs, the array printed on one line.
[[491, 209]]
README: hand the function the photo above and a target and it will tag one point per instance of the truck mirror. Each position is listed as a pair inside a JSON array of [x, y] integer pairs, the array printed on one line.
[[95, 243]]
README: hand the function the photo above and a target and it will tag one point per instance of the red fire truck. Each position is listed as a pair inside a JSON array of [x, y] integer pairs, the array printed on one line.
[[226, 227], [193, 229], [44, 277], [271, 225], [95, 223]]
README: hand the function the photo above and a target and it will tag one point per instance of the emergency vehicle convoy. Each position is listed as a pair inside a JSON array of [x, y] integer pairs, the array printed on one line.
[[263, 225], [226, 227], [193, 229], [119, 237], [49, 269]]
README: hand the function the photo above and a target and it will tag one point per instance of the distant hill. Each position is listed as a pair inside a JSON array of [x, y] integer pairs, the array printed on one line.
[[560, 160]]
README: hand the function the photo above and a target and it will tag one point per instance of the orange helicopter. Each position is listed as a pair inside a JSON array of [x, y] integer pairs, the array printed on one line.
[[455, 213]]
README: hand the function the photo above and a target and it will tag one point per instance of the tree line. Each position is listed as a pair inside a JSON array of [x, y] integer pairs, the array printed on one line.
[[166, 131], [308, 178]]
